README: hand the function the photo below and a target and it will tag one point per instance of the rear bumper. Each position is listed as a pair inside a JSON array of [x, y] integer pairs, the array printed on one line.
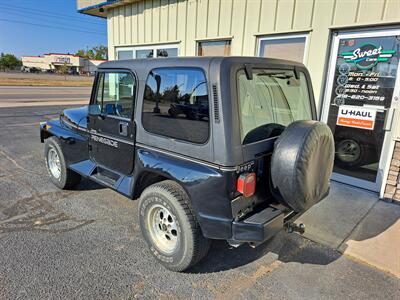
[[259, 227]]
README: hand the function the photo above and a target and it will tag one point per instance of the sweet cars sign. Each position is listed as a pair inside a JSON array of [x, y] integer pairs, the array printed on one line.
[[368, 55], [356, 116]]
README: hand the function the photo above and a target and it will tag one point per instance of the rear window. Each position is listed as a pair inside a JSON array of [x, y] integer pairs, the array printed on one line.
[[176, 104], [270, 101]]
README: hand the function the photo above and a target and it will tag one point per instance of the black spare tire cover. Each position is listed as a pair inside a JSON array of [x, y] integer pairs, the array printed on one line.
[[302, 164]]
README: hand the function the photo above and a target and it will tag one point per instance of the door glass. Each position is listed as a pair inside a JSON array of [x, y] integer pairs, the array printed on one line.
[[363, 84], [115, 94], [95, 108]]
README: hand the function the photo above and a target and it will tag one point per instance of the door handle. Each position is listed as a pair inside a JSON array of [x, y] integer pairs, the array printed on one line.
[[389, 119], [123, 128]]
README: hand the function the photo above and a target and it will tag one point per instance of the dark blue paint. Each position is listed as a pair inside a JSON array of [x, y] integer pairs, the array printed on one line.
[[206, 186], [85, 168], [76, 116]]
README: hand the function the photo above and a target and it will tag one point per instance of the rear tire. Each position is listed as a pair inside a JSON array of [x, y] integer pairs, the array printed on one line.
[[60, 175], [169, 226]]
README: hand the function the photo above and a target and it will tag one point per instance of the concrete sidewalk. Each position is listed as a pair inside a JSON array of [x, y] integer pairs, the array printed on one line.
[[354, 222]]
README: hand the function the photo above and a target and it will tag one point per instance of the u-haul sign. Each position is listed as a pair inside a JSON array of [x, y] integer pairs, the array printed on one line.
[[356, 116]]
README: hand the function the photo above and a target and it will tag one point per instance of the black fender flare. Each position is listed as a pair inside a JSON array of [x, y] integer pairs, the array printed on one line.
[[205, 186]]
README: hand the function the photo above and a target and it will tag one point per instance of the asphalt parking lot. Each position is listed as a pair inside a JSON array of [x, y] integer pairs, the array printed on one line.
[[86, 243]]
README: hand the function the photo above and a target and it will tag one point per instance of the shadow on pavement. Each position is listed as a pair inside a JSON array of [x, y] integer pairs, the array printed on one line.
[[88, 185], [283, 247], [349, 221]]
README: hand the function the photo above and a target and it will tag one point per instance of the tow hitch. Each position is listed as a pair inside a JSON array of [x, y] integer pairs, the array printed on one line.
[[292, 227]]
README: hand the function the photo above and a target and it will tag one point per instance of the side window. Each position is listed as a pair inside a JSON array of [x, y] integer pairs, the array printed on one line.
[[116, 94], [176, 104]]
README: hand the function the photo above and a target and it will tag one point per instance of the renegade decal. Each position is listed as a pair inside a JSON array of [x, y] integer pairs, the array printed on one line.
[[356, 116], [367, 56], [104, 140]]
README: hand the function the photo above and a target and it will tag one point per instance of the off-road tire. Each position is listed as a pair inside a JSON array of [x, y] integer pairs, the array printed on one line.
[[302, 163], [68, 178], [192, 245]]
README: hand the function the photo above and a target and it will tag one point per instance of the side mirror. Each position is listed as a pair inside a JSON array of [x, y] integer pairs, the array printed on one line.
[[94, 110]]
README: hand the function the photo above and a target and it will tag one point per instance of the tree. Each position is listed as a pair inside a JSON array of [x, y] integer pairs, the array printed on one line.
[[90, 54], [9, 62], [97, 52], [81, 53], [101, 52], [63, 70]]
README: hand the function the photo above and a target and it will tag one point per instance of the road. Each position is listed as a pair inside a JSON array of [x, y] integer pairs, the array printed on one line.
[[13, 96], [86, 243], [49, 76]]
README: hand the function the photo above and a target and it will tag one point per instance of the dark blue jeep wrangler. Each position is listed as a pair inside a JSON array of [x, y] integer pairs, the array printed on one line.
[[215, 148]]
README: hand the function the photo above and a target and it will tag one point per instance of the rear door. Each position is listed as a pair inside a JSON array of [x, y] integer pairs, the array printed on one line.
[[111, 127]]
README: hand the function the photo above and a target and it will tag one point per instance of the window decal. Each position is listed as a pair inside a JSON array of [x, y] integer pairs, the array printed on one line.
[[367, 56]]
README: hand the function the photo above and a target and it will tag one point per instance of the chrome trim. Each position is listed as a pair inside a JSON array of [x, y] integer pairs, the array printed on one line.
[[73, 125], [125, 119], [111, 137], [173, 154]]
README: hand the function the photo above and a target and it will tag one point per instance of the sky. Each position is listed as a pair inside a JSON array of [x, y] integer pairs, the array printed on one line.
[[62, 29]]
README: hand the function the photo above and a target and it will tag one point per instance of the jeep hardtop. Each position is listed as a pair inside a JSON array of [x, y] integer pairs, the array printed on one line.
[[215, 148]]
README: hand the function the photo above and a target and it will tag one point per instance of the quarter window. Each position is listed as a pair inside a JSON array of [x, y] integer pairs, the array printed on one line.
[[176, 104], [115, 94]]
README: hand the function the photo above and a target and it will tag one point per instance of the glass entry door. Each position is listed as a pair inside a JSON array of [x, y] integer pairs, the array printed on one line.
[[360, 88]]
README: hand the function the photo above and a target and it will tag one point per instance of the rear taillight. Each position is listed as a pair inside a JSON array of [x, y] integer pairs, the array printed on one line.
[[246, 184]]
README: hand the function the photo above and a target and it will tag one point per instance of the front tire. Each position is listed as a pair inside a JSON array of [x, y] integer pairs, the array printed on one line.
[[169, 226], [60, 175]]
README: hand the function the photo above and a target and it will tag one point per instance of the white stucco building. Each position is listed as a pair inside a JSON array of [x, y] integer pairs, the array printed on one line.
[[52, 61]]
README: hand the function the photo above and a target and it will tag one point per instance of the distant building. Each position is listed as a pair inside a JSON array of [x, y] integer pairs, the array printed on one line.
[[52, 61]]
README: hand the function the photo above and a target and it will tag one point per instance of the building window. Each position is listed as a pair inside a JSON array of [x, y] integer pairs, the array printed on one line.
[[292, 47], [170, 50], [176, 104], [125, 54], [214, 48]]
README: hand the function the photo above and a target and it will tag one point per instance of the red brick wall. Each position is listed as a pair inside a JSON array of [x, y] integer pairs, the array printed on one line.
[[392, 189]]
